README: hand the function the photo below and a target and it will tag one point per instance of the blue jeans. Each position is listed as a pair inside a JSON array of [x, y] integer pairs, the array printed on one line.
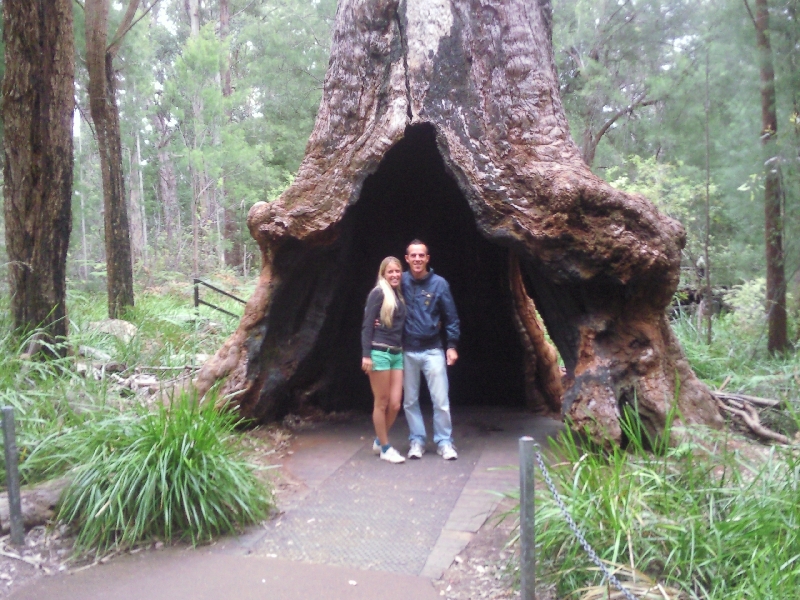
[[432, 364]]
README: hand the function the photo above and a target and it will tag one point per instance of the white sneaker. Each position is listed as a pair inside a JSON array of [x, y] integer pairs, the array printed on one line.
[[393, 456], [376, 446], [447, 451], [416, 450]]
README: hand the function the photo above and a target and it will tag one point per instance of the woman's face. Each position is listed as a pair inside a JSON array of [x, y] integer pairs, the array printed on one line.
[[393, 273]]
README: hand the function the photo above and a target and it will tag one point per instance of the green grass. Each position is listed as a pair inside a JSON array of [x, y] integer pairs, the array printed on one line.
[[176, 473], [716, 518], [704, 518], [170, 474]]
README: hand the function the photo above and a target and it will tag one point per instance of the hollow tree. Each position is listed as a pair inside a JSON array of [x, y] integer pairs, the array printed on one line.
[[38, 101], [441, 119]]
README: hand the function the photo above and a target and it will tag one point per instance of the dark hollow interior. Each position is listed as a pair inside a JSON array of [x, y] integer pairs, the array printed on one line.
[[412, 196]]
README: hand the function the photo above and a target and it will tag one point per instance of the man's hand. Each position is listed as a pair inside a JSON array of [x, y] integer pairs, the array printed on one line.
[[452, 356], [366, 365]]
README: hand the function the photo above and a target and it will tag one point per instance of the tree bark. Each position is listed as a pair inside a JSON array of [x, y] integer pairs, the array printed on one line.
[[167, 183], [105, 115], [38, 104], [234, 255], [135, 212], [462, 95], [777, 337]]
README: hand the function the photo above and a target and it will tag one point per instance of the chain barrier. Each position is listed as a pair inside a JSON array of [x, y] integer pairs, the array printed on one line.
[[575, 529]]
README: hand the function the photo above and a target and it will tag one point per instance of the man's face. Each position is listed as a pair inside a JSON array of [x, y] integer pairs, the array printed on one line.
[[417, 259]]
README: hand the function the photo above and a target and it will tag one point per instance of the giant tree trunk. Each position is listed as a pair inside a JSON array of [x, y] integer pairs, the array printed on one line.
[[441, 119], [777, 338], [105, 115], [38, 102]]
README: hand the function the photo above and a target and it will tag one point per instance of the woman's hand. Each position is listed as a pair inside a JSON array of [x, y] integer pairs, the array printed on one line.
[[366, 365]]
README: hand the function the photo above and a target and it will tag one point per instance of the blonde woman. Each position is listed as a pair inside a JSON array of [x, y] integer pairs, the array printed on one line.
[[382, 353]]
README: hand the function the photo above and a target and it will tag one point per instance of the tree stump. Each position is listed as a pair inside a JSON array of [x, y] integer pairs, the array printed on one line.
[[441, 120]]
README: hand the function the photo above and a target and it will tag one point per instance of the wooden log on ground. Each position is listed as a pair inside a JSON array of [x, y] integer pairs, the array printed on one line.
[[39, 503]]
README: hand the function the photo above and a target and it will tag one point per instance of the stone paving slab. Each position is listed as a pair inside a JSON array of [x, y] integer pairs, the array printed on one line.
[[374, 515], [412, 518]]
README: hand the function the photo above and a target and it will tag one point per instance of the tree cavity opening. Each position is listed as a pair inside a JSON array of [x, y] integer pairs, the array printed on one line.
[[411, 195]]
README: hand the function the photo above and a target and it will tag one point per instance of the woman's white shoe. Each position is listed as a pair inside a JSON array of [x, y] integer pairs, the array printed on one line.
[[393, 456]]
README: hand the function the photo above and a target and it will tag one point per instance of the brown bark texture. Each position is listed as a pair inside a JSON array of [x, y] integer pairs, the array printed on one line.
[[38, 102], [105, 115], [478, 81], [777, 336], [167, 182]]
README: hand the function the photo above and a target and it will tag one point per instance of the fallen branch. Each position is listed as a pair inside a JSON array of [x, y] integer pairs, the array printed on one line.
[[749, 415], [766, 402]]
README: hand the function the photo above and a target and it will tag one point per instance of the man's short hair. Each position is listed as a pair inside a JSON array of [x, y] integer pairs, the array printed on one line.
[[417, 242]]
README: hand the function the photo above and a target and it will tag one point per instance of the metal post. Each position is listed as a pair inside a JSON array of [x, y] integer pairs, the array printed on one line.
[[527, 561], [12, 478]]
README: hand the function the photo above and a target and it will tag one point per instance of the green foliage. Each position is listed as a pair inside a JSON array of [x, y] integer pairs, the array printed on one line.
[[173, 474], [704, 518]]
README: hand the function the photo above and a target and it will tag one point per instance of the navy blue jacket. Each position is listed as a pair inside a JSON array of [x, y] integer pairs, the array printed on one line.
[[429, 307]]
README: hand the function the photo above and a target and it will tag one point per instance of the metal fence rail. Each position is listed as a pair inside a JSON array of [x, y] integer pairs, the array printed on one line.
[[198, 301], [529, 451]]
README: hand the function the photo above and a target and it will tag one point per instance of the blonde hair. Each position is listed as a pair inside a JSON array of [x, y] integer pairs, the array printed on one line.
[[389, 296]]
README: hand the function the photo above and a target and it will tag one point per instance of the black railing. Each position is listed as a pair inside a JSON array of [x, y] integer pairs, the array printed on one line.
[[198, 301]]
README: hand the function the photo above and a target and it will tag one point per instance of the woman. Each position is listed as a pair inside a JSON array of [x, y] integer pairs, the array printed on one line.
[[382, 354]]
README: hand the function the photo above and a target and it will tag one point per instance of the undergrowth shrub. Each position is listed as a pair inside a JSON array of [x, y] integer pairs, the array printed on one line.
[[705, 518], [177, 473]]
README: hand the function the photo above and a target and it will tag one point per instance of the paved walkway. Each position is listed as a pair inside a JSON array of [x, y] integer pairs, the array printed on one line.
[[362, 529]]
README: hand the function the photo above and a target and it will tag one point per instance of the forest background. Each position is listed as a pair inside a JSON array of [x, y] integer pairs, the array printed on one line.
[[217, 98]]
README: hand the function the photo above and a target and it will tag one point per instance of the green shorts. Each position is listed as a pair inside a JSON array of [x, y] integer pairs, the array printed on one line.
[[383, 360]]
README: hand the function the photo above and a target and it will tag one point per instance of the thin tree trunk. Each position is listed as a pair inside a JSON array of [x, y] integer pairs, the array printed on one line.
[[167, 183], [140, 178], [105, 114], [199, 196], [84, 245], [38, 104], [234, 254], [777, 339], [707, 240], [137, 244]]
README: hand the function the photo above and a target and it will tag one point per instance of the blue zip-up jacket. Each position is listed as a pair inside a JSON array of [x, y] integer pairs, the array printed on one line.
[[429, 307]]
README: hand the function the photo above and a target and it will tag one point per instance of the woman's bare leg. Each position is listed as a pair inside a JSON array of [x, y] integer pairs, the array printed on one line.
[[395, 397], [380, 383]]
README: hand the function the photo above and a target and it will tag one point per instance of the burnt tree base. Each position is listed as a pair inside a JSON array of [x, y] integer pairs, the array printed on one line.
[[441, 120]]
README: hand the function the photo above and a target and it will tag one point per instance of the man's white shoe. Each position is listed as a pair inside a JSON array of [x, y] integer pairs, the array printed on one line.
[[447, 452], [393, 456], [416, 450], [376, 446]]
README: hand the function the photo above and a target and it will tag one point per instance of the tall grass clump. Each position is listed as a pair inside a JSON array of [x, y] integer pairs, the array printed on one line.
[[177, 473], [705, 517]]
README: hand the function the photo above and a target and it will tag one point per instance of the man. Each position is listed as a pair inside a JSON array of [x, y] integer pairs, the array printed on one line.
[[429, 307]]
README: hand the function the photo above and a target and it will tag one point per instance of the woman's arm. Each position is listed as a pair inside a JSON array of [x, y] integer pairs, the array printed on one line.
[[371, 312]]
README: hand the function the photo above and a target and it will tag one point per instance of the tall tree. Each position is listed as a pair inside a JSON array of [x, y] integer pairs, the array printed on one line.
[[777, 339], [105, 114], [38, 104]]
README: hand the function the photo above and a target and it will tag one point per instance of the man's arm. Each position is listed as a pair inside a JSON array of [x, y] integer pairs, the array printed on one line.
[[452, 325]]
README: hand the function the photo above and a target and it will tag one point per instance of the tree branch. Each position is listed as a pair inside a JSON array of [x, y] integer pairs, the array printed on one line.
[[750, 12], [127, 24], [638, 103]]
